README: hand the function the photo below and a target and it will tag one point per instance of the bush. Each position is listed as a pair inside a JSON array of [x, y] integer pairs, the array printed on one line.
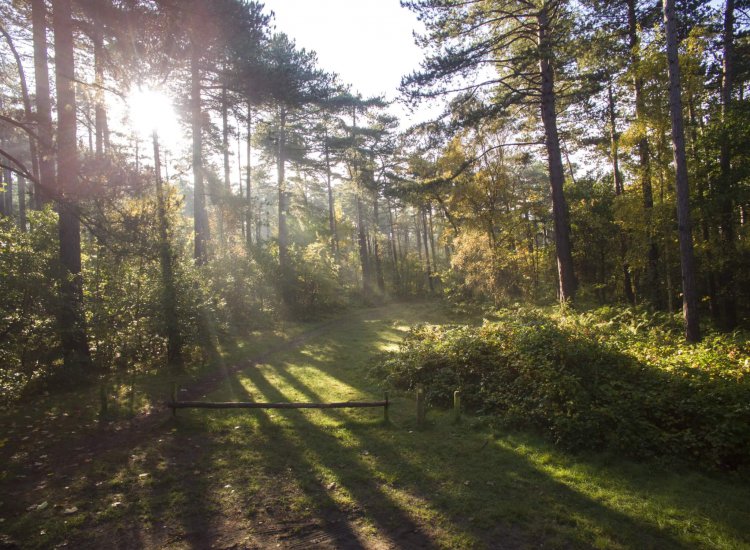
[[611, 379]]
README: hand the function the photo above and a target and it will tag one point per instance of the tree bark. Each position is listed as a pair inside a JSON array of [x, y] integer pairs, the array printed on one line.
[[76, 354], [689, 294], [200, 217], [169, 292], [619, 189], [22, 204], [43, 105], [644, 156], [376, 247], [563, 249], [249, 177], [28, 115], [100, 114], [727, 294], [284, 261], [331, 209], [425, 240]]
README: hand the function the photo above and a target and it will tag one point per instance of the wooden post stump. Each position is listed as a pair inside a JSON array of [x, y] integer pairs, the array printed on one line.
[[420, 406]]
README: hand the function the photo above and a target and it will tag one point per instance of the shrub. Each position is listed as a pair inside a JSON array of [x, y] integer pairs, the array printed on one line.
[[590, 381]]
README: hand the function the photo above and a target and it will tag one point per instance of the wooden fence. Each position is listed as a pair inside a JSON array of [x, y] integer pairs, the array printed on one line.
[[174, 405]]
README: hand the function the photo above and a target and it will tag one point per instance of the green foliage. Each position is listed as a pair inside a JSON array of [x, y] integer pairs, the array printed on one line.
[[611, 379], [28, 336]]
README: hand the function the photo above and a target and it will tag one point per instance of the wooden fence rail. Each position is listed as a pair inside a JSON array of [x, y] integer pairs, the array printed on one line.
[[174, 405]]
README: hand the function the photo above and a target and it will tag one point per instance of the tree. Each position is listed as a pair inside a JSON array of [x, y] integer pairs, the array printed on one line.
[[523, 41], [76, 354], [689, 293]]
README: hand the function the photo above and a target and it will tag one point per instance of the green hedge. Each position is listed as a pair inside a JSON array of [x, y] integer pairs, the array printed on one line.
[[609, 380]]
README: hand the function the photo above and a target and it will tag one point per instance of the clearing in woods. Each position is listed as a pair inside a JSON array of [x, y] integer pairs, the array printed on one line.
[[340, 478]]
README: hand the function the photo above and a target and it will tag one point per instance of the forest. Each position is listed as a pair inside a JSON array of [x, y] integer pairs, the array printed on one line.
[[191, 200]]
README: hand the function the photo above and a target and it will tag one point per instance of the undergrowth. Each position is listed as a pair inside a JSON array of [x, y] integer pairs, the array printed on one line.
[[610, 379]]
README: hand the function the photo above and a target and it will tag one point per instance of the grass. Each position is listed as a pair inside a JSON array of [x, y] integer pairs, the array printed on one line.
[[341, 478]]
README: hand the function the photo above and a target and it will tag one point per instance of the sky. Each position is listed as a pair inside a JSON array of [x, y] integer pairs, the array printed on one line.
[[369, 43]]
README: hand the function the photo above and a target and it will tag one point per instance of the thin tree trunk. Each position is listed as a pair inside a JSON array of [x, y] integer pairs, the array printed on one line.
[[283, 228], [28, 115], [8, 194], [22, 204], [375, 244], [249, 177], [689, 294], [169, 296], [226, 190], [432, 236], [99, 112], [726, 192], [46, 178], [200, 217], [644, 156], [426, 250], [363, 256], [392, 242], [76, 354], [619, 189], [331, 209], [556, 175]]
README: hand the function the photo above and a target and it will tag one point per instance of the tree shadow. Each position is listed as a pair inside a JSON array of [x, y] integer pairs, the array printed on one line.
[[428, 470]]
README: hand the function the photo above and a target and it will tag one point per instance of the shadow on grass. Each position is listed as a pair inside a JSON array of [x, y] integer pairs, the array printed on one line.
[[429, 472]]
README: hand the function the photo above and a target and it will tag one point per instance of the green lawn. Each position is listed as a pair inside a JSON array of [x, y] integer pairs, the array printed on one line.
[[341, 478]]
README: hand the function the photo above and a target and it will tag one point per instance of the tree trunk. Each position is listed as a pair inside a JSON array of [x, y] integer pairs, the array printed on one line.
[[28, 115], [725, 191], [394, 252], [76, 354], [169, 296], [22, 204], [227, 191], [46, 182], [363, 256], [200, 217], [644, 157], [8, 194], [425, 240], [556, 175], [331, 209], [283, 208], [689, 294], [99, 112], [619, 189], [249, 178], [375, 245]]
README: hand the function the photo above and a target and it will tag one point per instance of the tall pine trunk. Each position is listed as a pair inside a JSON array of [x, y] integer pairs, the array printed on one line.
[[46, 182], [249, 178], [563, 249], [619, 189], [200, 217], [689, 294], [644, 157], [169, 292], [76, 354], [727, 294]]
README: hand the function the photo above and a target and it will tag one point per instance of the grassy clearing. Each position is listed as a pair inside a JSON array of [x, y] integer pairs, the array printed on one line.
[[340, 478]]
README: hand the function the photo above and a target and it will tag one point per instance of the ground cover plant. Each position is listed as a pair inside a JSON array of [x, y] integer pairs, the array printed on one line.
[[343, 479], [610, 379]]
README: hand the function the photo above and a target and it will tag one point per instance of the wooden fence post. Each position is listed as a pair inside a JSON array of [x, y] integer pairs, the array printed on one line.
[[386, 419], [457, 406], [420, 406], [103, 400]]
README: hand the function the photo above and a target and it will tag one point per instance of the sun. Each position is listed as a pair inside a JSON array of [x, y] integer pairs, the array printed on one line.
[[151, 110]]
